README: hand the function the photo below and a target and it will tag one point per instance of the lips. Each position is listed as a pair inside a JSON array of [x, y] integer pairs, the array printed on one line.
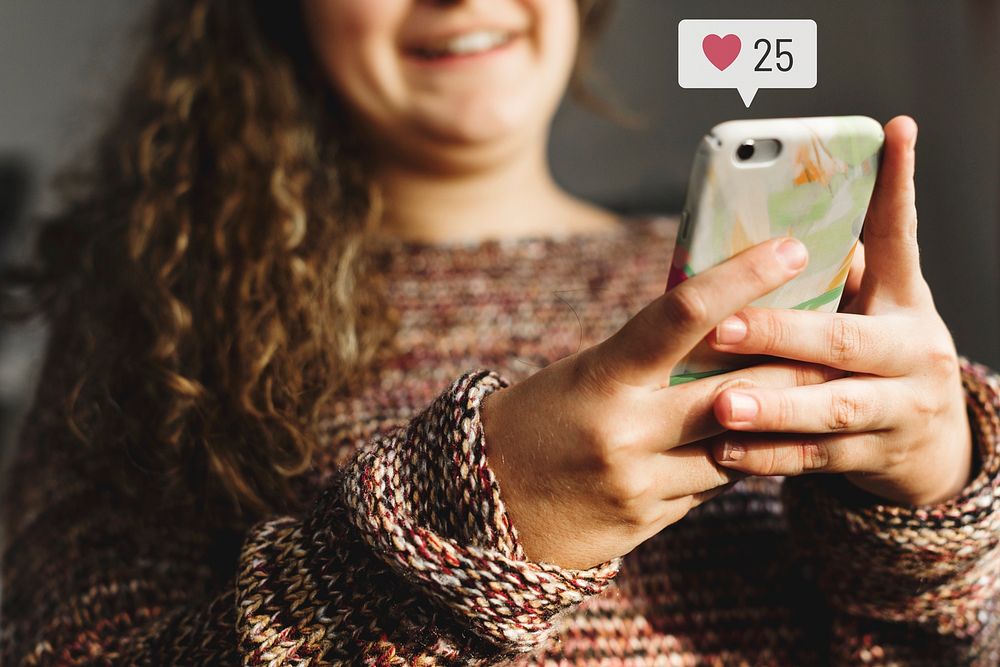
[[463, 44]]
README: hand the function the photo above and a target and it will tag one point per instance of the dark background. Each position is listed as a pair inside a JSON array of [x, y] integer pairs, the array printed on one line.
[[936, 61], [60, 61]]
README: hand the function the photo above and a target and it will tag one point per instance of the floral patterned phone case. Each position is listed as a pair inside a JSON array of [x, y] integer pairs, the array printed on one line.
[[816, 188]]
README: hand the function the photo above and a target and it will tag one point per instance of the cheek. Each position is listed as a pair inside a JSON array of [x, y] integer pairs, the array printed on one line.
[[533, 102], [558, 35], [355, 42], [510, 101]]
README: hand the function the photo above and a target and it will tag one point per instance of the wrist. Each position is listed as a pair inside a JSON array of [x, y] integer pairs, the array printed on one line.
[[499, 457], [491, 418], [932, 477]]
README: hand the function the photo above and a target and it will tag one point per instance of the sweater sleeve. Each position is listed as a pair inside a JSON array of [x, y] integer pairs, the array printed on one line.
[[407, 557], [910, 585]]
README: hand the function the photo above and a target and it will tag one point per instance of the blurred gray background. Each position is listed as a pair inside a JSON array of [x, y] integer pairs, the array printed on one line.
[[61, 60]]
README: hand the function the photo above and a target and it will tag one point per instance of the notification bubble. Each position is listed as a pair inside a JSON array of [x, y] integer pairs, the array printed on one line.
[[746, 54]]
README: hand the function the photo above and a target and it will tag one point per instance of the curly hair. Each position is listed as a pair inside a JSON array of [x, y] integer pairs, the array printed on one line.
[[210, 275]]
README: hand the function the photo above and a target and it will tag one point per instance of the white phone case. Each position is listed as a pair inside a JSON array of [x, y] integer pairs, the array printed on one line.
[[817, 189]]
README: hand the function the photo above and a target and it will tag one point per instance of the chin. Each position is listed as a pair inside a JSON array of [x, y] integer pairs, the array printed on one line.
[[482, 121], [478, 132]]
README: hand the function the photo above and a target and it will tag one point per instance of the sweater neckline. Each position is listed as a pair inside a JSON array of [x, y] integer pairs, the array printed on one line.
[[625, 227]]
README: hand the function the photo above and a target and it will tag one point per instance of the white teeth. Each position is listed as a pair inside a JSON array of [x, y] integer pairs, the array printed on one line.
[[469, 43], [475, 42]]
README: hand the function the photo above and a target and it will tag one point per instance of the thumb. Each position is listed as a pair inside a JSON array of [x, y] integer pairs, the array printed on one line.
[[855, 279], [892, 269]]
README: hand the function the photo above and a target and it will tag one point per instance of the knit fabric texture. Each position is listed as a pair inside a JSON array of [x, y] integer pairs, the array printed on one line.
[[406, 554]]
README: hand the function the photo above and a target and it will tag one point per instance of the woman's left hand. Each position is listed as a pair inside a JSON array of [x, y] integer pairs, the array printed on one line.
[[897, 425]]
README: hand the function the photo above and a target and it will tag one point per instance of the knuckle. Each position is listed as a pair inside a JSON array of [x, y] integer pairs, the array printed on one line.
[[926, 405], [628, 493], [627, 486], [686, 306], [926, 409], [608, 444], [758, 275], [784, 412], [895, 456], [845, 412], [600, 440], [846, 341], [742, 382], [941, 359], [772, 331], [770, 462], [803, 375], [766, 461], [813, 456], [645, 517]]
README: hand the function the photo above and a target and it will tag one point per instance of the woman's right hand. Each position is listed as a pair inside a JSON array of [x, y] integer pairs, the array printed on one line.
[[596, 453]]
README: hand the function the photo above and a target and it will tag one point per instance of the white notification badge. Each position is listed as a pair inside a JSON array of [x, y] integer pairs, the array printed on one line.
[[746, 54]]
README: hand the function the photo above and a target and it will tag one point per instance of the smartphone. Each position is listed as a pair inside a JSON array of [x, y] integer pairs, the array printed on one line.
[[752, 180]]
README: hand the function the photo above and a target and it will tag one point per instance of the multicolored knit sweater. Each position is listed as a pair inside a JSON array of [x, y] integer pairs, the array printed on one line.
[[407, 556]]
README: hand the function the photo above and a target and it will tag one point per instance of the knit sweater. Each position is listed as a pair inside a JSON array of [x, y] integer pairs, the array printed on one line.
[[406, 554]]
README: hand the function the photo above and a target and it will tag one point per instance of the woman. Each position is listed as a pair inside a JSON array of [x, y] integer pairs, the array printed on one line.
[[319, 271]]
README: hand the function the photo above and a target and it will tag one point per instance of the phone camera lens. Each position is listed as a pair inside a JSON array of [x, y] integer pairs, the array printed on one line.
[[745, 151]]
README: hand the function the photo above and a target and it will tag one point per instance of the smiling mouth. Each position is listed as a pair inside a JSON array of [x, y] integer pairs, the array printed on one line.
[[467, 44]]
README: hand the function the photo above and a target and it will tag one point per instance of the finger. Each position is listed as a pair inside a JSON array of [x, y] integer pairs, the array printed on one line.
[[691, 470], [890, 230], [850, 405], [643, 351], [701, 498], [769, 455], [854, 277], [855, 343], [672, 510], [683, 414]]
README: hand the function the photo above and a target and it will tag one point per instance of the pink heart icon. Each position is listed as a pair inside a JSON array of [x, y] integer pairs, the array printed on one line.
[[721, 51]]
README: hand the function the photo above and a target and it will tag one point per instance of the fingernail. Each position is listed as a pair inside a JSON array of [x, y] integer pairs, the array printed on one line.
[[793, 253], [730, 331], [732, 452], [742, 407]]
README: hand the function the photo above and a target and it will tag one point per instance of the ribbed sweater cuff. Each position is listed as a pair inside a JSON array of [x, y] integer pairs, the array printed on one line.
[[429, 506], [932, 563]]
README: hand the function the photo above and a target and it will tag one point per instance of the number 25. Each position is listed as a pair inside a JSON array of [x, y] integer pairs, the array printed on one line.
[[778, 53]]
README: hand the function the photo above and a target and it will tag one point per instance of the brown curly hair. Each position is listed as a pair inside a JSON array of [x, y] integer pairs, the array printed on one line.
[[210, 276]]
